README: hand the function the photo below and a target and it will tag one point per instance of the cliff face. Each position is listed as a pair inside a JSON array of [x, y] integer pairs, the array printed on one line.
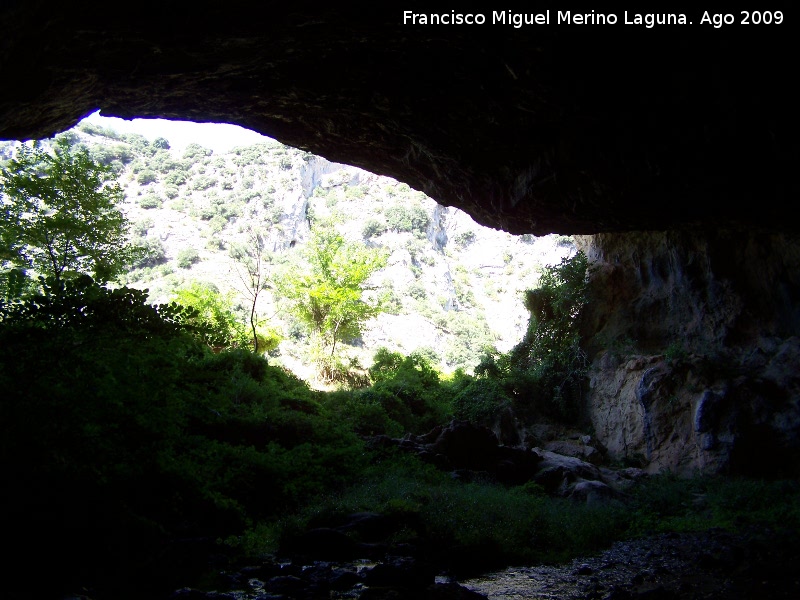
[[696, 349]]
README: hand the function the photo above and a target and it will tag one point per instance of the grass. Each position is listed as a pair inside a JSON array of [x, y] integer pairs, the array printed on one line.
[[472, 527]]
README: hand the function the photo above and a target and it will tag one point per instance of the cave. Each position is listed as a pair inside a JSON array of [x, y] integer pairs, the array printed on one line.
[[669, 152]]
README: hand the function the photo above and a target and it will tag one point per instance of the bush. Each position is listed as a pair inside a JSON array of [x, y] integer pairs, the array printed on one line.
[[163, 163], [176, 178], [150, 201], [146, 176], [471, 340], [187, 257], [202, 182], [402, 218], [141, 437], [372, 228], [481, 401], [142, 226], [409, 390], [195, 151], [417, 291], [171, 192], [465, 238], [153, 252]]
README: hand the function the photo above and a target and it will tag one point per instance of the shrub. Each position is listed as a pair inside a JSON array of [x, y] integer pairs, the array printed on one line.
[[150, 201], [465, 238], [417, 291], [153, 252], [176, 178], [202, 182], [402, 218], [146, 176], [409, 390], [163, 162], [372, 228], [196, 151], [143, 226], [187, 257], [170, 191], [471, 340], [481, 401]]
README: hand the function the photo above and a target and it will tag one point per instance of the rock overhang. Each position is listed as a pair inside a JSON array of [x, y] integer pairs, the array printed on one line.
[[567, 129]]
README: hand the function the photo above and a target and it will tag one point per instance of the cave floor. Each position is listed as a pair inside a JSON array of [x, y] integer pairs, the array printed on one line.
[[677, 566]]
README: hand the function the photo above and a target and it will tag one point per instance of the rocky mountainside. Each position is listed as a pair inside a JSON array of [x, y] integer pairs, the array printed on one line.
[[451, 287]]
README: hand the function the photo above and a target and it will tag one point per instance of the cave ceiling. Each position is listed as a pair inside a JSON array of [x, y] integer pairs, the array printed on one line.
[[540, 129]]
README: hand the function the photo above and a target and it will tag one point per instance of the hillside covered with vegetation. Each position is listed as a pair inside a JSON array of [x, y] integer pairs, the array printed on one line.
[[447, 287]]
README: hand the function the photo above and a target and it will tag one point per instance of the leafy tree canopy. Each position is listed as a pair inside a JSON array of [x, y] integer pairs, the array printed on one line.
[[327, 295], [60, 214], [214, 315]]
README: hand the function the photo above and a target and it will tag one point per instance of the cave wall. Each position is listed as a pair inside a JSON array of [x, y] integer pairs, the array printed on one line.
[[695, 347]]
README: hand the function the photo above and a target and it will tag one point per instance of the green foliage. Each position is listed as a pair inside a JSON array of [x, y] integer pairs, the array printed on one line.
[[474, 525], [160, 143], [123, 434], [676, 352], [138, 144], [152, 252], [545, 373], [150, 201], [390, 302], [176, 178], [163, 163], [146, 176], [481, 400], [98, 130], [195, 152], [60, 214], [417, 291], [187, 257], [202, 182], [252, 266], [114, 156], [373, 228], [213, 314], [325, 294], [472, 338], [465, 238], [404, 218], [671, 503], [551, 352], [409, 391]]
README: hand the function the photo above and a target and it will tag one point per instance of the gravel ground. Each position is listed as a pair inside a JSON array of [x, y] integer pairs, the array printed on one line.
[[760, 564]]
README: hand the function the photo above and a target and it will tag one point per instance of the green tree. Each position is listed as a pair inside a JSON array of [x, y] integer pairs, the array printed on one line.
[[251, 267], [327, 296], [60, 214]]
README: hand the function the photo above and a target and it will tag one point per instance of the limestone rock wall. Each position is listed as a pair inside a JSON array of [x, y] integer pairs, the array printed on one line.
[[696, 354]]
